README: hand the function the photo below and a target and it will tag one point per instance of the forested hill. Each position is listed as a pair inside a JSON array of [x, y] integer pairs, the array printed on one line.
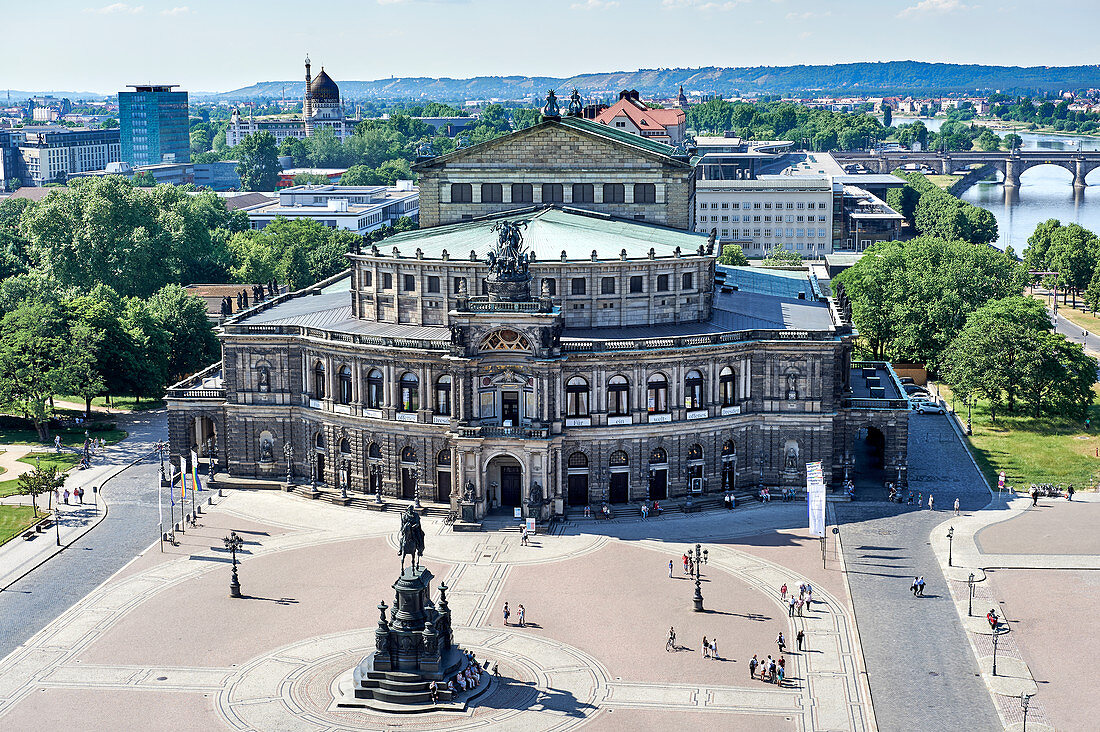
[[892, 77]]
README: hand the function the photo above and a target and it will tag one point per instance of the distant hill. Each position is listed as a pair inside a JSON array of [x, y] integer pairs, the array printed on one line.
[[890, 77]]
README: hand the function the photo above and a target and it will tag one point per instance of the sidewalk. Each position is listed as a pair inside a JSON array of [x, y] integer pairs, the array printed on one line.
[[20, 556]]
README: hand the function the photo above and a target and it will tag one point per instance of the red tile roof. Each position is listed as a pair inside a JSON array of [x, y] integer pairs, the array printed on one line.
[[642, 117]]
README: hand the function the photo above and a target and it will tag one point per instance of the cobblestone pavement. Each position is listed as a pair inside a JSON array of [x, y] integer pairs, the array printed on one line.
[[127, 530], [313, 573], [923, 674]]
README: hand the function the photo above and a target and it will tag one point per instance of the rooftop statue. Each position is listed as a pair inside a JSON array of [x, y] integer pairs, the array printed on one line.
[[550, 109], [509, 260], [576, 106]]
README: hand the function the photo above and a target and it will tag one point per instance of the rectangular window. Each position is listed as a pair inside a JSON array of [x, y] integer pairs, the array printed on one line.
[[433, 283], [409, 283], [583, 193], [735, 205], [387, 281], [522, 193], [616, 193], [686, 282], [492, 193], [662, 283], [552, 193], [636, 283], [800, 206], [725, 205], [607, 286], [577, 286], [367, 279], [462, 193], [714, 205], [647, 193]]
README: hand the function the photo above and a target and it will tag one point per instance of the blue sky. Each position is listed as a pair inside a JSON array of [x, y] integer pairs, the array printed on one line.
[[101, 45]]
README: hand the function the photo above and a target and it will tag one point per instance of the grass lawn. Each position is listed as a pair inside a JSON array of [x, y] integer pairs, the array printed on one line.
[[14, 520], [73, 436], [942, 181], [128, 403], [63, 461], [1045, 450]]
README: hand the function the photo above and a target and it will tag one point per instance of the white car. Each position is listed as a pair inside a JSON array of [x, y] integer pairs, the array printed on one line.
[[928, 408]]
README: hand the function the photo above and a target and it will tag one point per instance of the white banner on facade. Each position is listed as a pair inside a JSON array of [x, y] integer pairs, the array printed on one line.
[[815, 498]]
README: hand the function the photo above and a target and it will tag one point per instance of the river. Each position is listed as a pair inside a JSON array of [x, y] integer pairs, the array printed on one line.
[[1046, 191]]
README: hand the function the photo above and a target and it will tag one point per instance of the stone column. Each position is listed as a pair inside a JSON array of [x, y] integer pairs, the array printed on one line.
[[1012, 176], [1080, 170]]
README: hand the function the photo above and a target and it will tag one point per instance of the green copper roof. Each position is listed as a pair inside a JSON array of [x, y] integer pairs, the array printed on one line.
[[549, 231]]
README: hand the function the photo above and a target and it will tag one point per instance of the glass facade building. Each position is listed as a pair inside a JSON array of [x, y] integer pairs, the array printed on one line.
[[153, 125]]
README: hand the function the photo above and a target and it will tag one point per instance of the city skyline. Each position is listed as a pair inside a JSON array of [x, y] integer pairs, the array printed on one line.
[[417, 38]]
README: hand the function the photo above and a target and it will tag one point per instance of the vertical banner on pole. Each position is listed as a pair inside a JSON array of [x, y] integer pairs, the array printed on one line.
[[815, 498]]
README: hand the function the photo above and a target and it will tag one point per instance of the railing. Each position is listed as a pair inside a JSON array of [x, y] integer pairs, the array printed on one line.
[[190, 388], [867, 403], [479, 305], [527, 433], [421, 344], [707, 339]]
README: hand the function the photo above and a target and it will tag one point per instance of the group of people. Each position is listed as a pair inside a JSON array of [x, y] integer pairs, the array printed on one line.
[[689, 563], [772, 671], [918, 586], [77, 493], [795, 605], [647, 509], [710, 648], [467, 678], [521, 615], [259, 293]]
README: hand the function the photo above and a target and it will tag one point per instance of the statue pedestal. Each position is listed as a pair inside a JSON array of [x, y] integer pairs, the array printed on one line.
[[468, 512]]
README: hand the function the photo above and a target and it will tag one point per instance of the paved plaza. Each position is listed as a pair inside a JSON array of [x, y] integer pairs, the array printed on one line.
[[164, 635]]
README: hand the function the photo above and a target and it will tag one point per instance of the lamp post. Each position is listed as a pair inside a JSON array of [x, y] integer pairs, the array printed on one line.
[[698, 599], [1024, 701], [996, 637], [345, 477], [376, 470], [288, 453], [652, 477], [970, 603], [162, 450], [233, 544], [950, 542], [969, 428], [416, 486]]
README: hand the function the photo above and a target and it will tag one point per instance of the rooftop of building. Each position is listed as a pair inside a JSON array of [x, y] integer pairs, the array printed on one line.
[[771, 183], [869, 179], [403, 189], [642, 116], [549, 231]]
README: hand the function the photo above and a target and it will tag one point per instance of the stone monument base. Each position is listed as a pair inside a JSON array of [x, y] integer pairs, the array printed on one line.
[[399, 692]]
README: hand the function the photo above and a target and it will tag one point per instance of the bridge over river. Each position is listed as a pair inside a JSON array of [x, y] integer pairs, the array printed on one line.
[[1078, 162]]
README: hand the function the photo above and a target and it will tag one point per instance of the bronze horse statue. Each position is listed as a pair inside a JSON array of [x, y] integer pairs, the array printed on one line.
[[411, 538]]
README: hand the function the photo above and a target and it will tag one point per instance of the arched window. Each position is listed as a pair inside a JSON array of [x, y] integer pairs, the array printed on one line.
[[578, 460], [576, 397], [695, 468], [693, 390], [319, 380], [345, 447], [726, 393], [657, 394], [618, 397], [443, 396], [374, 452], [408, 454], [728, 449], [443, 459], [319, 441], [505, 339], [376, 397], [409, 400], [618, 459], [345, 384], [695, 452], [658, 456]]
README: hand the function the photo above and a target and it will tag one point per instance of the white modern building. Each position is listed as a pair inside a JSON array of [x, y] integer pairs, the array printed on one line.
[[361, 209], [795, 212]]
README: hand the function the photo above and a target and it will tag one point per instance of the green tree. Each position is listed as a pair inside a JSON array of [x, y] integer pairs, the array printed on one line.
[[887, 116], [144, 371], [987, 140], [1057, 376], [144, 179], [37, 361], [777, 256], [303, 179], [733, 255], [1035, 253], [200, 140], [1012, 141], [359, 175], [903, 200], [1072, 254], [40, 481], [981, 224], [258, 162], [298, 252], [192, 344]]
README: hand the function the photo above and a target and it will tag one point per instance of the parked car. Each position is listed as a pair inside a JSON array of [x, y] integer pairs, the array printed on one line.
[[906, 379], [910, 388], [928, 408], [921, 400]]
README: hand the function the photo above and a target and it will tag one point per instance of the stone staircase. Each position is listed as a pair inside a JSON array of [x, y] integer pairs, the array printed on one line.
[[369, 503]]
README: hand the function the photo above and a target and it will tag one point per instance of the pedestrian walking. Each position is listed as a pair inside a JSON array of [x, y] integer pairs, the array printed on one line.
[[523, 537], [790, 607], [685, 564], [507, 614], [779, 676], [80, 495], [913, 587], [1034, 496], [781, 643], [670, 644], [753, 663], [670, 568], [522, 617], [801, 637], [798, 606], [57, 443], [931, 502], [783, 592], [956, 506], [706, 648], [920, 587], [66, 494], [1069, 493]]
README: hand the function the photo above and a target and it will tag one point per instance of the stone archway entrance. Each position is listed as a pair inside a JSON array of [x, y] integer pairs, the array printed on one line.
[[504, 476], [868, 472]]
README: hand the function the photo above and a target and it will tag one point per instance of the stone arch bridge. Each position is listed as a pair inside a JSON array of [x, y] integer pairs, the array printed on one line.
[[1011, 165]]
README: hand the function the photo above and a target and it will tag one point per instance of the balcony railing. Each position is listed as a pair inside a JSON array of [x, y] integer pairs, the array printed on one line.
[[524, 433], [194, 387], [706, 339], [420, 344]]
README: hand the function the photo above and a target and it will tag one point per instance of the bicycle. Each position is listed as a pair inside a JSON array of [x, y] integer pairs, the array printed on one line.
[[450, 518]]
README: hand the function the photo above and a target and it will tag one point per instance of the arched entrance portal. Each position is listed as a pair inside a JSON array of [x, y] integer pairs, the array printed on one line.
[[867, 471], [619, 485], [410, 472], [504, 475], [658, 474], [577, 476]]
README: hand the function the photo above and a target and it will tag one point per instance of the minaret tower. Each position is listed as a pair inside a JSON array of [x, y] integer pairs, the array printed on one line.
[[307, 107]]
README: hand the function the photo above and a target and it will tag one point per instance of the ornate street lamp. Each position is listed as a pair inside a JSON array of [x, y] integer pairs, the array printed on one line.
[[416, 486], [1024, 701], [376, 470], [698, 598], [233, 544], [970, 603], [950, 543], [345, 478], [288, 453], [996, 637]]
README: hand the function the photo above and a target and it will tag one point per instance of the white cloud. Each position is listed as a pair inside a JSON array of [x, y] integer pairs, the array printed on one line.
[[808, 15], [927, 7], [181, 10], [116, 8], [702, 4], [594, 4]]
